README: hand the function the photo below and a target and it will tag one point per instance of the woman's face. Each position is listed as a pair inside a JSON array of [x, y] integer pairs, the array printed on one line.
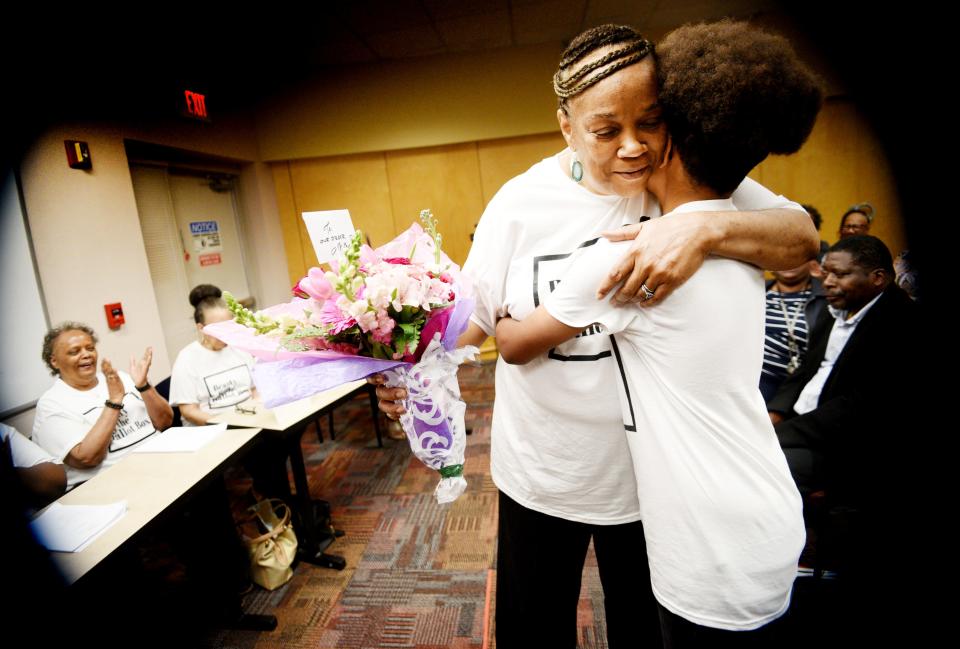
[[75, 357], [617, 130], [210, 316], [855, 223]]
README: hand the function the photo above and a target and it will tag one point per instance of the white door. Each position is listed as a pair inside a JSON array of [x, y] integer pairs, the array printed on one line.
[[192, 236]]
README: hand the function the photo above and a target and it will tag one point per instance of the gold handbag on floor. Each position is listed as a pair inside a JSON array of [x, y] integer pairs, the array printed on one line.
[[272, 552]]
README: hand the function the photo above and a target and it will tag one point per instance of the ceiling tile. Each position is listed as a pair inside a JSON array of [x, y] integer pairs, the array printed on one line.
[[536, 21]]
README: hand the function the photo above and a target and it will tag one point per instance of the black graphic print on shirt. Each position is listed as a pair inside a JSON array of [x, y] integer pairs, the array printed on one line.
[[228, 387], [587, 345]]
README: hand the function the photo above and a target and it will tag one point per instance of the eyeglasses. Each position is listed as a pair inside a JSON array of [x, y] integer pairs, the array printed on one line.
[[245, 411], [855, 227]]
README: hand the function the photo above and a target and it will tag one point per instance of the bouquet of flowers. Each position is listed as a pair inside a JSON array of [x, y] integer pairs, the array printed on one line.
[[398, 310]]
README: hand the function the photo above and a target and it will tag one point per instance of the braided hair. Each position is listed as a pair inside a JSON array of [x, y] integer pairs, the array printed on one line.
[[573, 77]]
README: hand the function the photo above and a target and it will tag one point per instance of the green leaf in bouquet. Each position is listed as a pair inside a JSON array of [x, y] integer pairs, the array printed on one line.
[[349, 276], [406, 337], [379, 350], [259, 322], [430, 226]]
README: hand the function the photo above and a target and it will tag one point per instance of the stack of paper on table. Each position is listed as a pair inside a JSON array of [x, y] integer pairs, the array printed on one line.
[[181, 439], [71, 528]]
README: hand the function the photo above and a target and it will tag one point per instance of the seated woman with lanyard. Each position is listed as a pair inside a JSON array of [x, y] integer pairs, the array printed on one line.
[[210, 376], [90, 419], [721, 515]]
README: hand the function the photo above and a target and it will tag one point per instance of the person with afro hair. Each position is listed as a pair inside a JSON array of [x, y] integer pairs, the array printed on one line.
[[721, 514]]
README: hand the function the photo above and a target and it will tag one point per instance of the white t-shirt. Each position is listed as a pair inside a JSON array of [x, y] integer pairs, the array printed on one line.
[[65, 415], [557, 439], [213, 380], [25, 453], [722, 517]]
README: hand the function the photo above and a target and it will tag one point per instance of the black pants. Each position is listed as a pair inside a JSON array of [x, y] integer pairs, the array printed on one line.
[[539, 566], [679, 633]]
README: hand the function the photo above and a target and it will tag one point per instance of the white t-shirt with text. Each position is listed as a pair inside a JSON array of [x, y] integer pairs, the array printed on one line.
[[212, 379], [557, 439], [65, 415], [722, 516]]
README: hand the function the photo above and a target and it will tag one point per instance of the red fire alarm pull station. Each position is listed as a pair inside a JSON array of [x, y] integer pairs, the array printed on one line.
[[114, 315], [78, 154]]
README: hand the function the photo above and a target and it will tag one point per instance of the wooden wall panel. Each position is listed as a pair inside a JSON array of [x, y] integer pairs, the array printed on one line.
[[356, 182], [842, 163], [287, 208], [501, 160], [445, 179]]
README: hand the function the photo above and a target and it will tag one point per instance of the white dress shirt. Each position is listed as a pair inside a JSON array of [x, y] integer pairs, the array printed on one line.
[[843, 328]]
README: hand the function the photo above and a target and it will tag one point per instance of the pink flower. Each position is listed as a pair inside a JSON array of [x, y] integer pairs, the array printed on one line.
[[398, 261], [368, 256], [437, 322], [343, 348], [314, 285], [336, 319], [299, 292]]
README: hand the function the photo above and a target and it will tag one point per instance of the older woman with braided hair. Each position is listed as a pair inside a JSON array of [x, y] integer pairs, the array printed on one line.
[[559, 456], [722, 517]]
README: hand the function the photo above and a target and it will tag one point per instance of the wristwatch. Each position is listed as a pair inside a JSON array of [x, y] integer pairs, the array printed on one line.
[[144, 387], [111, 404]]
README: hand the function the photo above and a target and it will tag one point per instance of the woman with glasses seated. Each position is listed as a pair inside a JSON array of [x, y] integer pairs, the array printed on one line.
[[856, 220]]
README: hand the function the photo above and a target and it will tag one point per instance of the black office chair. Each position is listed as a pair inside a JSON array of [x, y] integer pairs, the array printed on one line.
[[163, 389]]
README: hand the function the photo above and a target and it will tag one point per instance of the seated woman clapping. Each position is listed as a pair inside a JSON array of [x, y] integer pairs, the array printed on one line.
[[89, 419]]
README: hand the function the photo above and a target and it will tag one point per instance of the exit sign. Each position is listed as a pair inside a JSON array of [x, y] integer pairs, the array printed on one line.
[[193, 104]]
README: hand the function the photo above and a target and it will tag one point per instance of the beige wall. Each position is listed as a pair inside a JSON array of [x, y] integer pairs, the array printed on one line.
[[86, 230], [263, 237], [413, 103], [87, 241], [841, 164]]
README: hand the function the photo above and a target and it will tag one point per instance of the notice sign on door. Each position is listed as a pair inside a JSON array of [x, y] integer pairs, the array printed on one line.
[[211, 259], [206, 235], [330, 232]]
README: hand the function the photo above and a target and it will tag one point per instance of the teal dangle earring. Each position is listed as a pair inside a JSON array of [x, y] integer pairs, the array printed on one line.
[[576, 168]]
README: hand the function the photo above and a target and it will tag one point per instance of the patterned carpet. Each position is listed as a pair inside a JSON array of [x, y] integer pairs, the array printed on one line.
[[419, 575]]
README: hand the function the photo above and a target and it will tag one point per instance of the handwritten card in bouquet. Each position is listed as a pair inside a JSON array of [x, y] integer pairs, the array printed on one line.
[[330, 233]]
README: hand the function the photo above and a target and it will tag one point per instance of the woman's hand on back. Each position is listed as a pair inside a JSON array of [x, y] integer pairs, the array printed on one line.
[[665, 253]]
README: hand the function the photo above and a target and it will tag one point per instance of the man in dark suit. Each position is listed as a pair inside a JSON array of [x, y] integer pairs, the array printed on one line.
[[847, 396], [843, 421]]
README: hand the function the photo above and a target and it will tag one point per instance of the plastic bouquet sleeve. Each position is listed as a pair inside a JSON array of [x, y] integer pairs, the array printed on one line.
[[434, 417]]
